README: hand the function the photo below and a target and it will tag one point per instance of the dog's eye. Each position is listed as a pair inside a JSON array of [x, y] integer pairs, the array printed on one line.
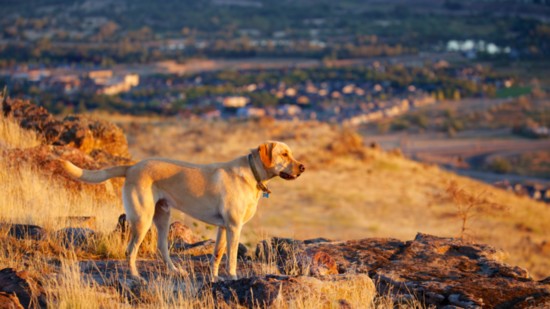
[[285, 154]]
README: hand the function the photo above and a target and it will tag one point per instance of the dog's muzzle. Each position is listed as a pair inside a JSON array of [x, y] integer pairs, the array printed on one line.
[[288, 176]]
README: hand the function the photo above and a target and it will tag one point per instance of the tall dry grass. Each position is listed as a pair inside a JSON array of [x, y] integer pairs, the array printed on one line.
[[32, 197]]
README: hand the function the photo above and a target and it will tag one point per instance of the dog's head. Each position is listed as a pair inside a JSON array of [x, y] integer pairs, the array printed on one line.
[[277, 160]]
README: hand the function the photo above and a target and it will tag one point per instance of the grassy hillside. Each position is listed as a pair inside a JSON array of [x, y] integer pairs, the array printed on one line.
[[348, 191]]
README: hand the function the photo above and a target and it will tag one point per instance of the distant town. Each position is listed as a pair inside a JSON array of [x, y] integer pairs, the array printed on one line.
[[350, 95]]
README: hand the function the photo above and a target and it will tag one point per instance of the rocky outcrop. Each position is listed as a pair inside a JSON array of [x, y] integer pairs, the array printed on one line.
[[271, 290], [29, 294], [96, 138], [438, 271], [90, 144]]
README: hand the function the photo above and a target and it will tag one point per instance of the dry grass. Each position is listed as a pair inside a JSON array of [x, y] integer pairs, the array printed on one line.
[[13, 136]]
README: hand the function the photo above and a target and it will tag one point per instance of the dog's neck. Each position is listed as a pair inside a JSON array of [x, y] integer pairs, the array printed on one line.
[[260, 174]]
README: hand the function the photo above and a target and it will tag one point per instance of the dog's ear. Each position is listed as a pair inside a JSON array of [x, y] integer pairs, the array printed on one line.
[[266, 154]]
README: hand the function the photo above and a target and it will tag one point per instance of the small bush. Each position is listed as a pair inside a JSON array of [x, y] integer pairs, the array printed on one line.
[[500, 165]]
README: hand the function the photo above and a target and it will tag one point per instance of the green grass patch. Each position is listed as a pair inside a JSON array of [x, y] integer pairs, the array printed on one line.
[[513, 92]]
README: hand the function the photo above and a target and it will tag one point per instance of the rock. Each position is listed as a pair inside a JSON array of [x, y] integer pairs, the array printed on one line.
[[27, 291], [24, 231], [249, 292], [204, 247], [293, 258], [74, 237], [77, 131], [316, 240], [271, 290], [322, 264], [180, 232], [438, 271], [9, 301], [133, 290]]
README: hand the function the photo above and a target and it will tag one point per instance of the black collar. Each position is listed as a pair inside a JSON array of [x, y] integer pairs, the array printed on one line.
[[259, 182]]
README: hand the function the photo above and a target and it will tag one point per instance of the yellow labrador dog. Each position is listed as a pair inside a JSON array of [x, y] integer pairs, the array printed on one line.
[[223, 194]]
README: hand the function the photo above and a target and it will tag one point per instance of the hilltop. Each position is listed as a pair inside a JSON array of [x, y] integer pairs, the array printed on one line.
[[351, 190]]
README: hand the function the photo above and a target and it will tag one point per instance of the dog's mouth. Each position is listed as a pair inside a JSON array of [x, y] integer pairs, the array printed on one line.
[[287, 176]]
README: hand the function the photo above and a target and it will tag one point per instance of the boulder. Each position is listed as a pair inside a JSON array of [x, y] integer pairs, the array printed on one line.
[[23, 231], [180, 232], [28, 292], [74, 237], [439, 271], [294, 258], [275, 290]]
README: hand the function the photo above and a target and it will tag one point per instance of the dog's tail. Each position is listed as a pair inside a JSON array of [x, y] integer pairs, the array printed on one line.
[[94, 176]]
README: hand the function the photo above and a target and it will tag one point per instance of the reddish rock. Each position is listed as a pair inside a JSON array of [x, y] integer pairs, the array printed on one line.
[[29, 293], [439, 271], [181, 232], [322, 264]]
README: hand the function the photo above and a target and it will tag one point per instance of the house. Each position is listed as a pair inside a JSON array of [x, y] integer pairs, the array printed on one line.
[[100, 76], [115, 85], [303, 100], [235, 102], [289, 110], [251, 112], [66, 83]]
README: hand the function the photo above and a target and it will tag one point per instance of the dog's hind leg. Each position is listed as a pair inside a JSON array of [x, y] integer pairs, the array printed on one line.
[[139, 207], [162, 221]]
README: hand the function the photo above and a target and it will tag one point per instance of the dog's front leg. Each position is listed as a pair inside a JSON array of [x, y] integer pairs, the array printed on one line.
[[233, 235], [219, 250]]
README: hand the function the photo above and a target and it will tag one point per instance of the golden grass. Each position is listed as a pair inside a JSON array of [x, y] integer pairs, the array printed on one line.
[[13, 136]]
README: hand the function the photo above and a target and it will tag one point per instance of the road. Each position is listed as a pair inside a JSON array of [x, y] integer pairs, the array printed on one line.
[[466, 152]]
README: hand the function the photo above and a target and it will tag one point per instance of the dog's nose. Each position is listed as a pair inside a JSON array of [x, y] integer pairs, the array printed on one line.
[[302, 168]]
